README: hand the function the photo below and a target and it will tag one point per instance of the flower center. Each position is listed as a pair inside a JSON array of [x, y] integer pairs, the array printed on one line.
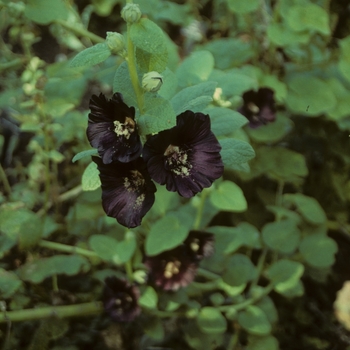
[[134, 181], [253, 108], [176, 160], [124, 129], [194, 245], [172, 268], [122, 302]]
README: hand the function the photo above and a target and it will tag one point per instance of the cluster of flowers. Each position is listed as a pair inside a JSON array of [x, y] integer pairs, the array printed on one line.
[[185, 158], [169, 271]]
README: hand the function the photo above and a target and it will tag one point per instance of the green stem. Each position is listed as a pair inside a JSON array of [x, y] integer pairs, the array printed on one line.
[[279, 194], [200, 210], [130, 59], [128, 269], [55, 283], [5, 181], [234, 341], [259, 268], [92, 308], [67, 249], [80, 31], [19, 62], [207, 274], [267, 290]]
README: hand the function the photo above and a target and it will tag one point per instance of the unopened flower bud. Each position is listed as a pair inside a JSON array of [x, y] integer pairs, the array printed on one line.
[[115, 42], [131, 13], [152, 81]]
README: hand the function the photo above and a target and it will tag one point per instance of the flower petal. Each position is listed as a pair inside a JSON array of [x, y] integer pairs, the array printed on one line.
[[112, 129], [127, 191]]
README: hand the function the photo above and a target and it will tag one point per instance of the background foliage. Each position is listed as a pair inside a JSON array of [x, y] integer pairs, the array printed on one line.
[[279, 214]]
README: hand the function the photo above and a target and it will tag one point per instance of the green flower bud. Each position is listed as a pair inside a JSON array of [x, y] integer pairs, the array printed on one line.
[[152, 81], [131, 13], [115, 42]]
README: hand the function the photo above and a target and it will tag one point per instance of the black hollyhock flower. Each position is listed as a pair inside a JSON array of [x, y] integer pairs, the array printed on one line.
[[113, 130], [172, 269], [259, 107], [120, 300], [186, 158], [127, 190], [200, 245]]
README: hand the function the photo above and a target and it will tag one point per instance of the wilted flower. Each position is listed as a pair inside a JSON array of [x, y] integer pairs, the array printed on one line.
[[131, 13], [177, 267], [120, 300], [113, 130], [186, 158], [172, 269], [200, 244], [152, 81], [127, 190], [259, 107]]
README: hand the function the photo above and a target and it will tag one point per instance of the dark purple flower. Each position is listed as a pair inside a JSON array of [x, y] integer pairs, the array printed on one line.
[[113, 130], [120, 300], [200, 244], [259, 107], [172, 269], [127, 190], [186, 158]]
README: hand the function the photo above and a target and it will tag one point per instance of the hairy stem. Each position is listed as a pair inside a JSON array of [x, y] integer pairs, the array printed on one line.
[[130, 59], [80, 31]]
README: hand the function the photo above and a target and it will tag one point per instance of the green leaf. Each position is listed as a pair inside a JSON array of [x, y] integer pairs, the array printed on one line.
[[308, 207], [262, 343], [235, 152], [158, 115], [309, 96], [228, 197], [22, 225], [272, 132], [229, 52], [90, 180], [151, 47], [254, 321], [125, 249], [318, 250], [282, 236], [45, 11], [91, 56], [244, 234], [169, 87], [194, 98], [149, 298], [308, 17], [165, 234], [239, 270], [281, 35], [153, 328], [122, 83], [37, 271], [211, 321], [266, 304], [243, 6], [342, 108], [282, 164], [82, 154], [234, 82], [195, 69], [9, 283], [284, 274], [104, 246], [225, 121]]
